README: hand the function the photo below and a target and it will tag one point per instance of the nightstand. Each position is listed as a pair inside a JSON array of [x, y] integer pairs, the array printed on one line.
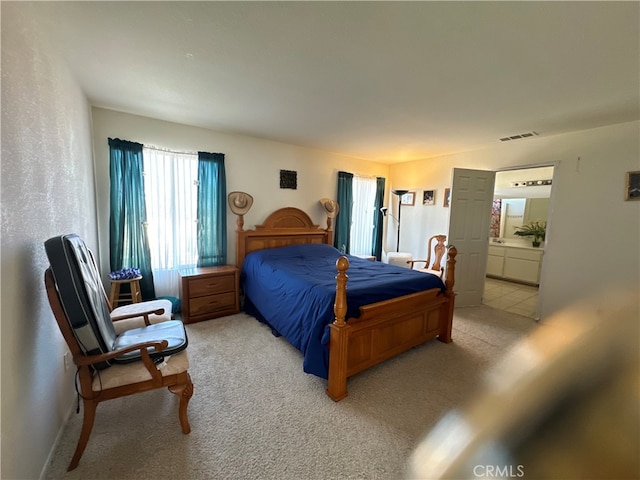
[[209, 292]]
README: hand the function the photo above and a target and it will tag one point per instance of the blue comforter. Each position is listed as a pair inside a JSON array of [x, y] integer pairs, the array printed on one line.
[[293, 288]]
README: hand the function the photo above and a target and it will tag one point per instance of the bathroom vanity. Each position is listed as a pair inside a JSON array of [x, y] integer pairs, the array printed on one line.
[[515, 262]]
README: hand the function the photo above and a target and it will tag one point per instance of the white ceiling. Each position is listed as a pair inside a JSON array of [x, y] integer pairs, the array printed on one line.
[[384, 81]]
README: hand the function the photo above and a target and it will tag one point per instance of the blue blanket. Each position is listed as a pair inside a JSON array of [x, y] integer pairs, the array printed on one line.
[[293, 289]]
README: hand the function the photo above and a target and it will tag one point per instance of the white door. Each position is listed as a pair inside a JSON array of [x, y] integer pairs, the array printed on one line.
[[469, 221]]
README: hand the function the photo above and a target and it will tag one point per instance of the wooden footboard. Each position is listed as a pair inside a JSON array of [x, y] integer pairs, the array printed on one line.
[[385, 329]]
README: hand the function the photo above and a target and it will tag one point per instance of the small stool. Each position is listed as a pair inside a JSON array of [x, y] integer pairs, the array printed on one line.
[[399, 259], [115, 297]]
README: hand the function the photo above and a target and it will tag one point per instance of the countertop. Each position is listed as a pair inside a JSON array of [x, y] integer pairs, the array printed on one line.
[[516, 245]]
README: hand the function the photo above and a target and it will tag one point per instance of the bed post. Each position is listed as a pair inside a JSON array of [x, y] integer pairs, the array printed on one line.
[[338, 355], [329, 230], [331, 208], [240, 244], [240, 203], [240, 223], [450, 275], [447, 308]]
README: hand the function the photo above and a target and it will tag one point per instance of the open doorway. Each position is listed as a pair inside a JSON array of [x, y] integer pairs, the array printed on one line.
[[522, 197]]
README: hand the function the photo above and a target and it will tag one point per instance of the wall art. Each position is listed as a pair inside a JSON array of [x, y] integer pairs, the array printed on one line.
[[408, 198], [447, 197], [429, 197], [632, 192], [289, 179]]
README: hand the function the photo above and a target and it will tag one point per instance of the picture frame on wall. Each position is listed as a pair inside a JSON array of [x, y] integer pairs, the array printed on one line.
[[289, 179], [632, 190], [447, 197], [429, 197], [408, 198]]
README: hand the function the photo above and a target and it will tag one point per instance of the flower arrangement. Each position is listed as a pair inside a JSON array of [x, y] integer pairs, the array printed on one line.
[[537, 230], [125, 274]]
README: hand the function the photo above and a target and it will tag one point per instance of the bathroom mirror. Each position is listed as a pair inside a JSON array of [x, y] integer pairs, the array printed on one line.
[[519, 199], [519, 211]]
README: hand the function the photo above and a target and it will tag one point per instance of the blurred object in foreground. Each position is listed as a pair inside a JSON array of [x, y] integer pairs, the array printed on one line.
[[562, 403]]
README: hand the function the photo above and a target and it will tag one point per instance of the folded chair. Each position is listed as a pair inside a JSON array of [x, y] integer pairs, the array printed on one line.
[[438, 252], [110, 365]]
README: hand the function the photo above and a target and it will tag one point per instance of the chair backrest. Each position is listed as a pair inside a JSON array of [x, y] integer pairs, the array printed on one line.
[[438, 252], [80, 305], [81, 294], [60, 316], [104, 292]]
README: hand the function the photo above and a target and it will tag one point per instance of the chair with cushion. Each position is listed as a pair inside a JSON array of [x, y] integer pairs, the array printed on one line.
[[110, 365], [438, 253]]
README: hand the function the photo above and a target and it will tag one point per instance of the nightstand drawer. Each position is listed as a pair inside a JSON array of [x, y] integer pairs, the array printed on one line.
[[199, 287], [212, 304]]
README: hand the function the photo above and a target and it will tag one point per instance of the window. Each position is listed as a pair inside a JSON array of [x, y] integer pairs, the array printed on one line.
[[186, 224], [359, 222], [362, 215], [171, 199]]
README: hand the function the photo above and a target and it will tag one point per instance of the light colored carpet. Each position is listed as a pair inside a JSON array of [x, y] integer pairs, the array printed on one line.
[[256, 415]]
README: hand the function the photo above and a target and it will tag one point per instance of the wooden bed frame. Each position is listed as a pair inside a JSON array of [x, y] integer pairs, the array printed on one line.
[[384, 329]]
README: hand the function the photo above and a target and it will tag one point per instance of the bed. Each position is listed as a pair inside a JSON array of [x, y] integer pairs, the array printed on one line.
[[296, 282]]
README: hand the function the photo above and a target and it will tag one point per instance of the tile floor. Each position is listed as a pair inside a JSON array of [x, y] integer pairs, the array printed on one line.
[[511, 297]]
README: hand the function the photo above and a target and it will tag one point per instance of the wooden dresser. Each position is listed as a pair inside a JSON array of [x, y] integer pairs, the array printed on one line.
[[209, 292]]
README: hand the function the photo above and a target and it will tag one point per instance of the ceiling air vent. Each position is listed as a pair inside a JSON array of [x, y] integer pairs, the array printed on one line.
[[519, 136]]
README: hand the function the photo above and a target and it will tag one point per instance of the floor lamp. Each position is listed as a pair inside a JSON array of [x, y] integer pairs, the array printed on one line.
[[399, 193]]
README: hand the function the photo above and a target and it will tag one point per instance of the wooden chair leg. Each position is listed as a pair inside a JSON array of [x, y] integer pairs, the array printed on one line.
[[184, 390], [87, 425]]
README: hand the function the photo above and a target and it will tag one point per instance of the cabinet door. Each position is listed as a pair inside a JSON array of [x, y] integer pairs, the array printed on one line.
[[523, 270], [495, 264]]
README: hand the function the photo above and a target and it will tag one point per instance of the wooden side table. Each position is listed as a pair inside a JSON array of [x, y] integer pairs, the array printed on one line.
[[116, 297], [209, 292]]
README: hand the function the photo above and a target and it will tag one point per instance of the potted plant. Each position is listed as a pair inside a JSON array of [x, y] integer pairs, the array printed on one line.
[[537, 230]]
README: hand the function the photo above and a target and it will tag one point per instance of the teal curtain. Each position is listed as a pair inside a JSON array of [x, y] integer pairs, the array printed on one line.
[[129, 246], [376, 250], [212, 210], [342, 236]]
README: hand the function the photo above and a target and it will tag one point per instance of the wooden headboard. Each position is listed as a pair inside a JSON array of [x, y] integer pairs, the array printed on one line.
[[286, 226]]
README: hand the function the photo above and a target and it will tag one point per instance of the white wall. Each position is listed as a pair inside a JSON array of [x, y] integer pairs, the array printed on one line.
[[593, 237], [252, 165], [47, 190]]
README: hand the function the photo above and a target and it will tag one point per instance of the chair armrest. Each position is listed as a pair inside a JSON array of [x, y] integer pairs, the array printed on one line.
[[159, 311], [82, 360], [411, 262]]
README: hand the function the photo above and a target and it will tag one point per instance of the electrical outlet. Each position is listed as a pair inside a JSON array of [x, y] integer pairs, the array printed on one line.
[[65, 358]]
